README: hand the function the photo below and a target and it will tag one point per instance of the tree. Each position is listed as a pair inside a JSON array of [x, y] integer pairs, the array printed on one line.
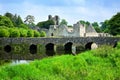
[[19, 21], [82, 22], [16, 20], [29, 19], [104, 26], [87, 23], [9, 15], [63, 22], [5, 21], [114, 23], [96, 26], [45, 24]]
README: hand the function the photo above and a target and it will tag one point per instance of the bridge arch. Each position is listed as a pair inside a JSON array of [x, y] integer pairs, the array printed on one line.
[[115, 44], [91, 45], [50, 51], [7, 48], [33, 49], [68, 48]]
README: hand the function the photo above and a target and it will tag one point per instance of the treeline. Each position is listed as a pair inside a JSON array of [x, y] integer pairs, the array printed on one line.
[[9, 21], [13, 26], [111, 26]]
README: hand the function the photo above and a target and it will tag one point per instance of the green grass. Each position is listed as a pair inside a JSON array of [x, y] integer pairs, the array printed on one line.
[[100, 64]]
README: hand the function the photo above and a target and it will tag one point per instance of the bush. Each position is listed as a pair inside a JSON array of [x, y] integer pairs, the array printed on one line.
[[23, 32], [118, 45], [4, 33], [104, 51], [5, 21], [30, 33], [23, 26], [36, 33], [14, 32], [42, 34]]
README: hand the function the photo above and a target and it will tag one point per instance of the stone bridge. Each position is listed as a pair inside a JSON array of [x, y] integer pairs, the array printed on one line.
[[37, 48]]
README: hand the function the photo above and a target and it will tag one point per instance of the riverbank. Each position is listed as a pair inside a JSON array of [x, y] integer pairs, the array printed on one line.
[[100, 64]]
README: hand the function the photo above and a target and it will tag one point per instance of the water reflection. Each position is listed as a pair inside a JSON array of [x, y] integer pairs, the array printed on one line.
[[14, 62]]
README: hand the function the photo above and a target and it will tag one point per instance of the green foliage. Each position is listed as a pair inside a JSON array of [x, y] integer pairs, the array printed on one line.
[[20, 32], [36, 33], [23, 32], [30, 33], [118, 45], [63, 22], [14, 32], [29, 19], [84, 22], [5, 21], [104, 51], [16, 20], [9, 15], [104, 26], [23, 26], [42, 34], [4, 33], [2, 62], [96, 27], [45, 24], [100, 64], [70, 26], [114, 23]]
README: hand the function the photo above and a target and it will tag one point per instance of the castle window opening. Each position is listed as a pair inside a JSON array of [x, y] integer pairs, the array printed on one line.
[[52, 34]]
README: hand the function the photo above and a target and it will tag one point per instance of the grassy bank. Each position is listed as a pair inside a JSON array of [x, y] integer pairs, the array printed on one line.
[[100, 64]]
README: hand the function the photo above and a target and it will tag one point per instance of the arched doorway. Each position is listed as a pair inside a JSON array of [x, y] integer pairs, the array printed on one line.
[[50, 49], [33, 49], [68, 48], [7, 48], [91, 45]]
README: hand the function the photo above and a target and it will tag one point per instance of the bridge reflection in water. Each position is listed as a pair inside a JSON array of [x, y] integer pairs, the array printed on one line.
[[37, 48]]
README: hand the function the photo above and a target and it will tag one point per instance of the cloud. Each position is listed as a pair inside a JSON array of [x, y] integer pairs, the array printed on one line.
[[57, 2], [71, 10]]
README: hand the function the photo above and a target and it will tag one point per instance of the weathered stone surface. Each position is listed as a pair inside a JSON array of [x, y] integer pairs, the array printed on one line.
[[78, 30], [21, 46]]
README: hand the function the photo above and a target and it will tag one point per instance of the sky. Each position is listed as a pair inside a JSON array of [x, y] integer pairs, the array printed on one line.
[[71, 10]]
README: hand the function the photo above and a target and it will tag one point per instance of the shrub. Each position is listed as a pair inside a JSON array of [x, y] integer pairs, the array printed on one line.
[[36, 33], [23, 26], [42, 34], [23, 32], [118, 45], [5, 21], [14, 32], [30, 33], [4, 33], [104, 51]]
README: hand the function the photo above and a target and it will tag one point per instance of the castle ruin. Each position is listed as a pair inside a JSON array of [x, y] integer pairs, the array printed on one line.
[[78, 30]]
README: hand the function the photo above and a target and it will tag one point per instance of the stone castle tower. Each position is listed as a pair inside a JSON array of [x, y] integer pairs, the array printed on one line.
[[55, 19]]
